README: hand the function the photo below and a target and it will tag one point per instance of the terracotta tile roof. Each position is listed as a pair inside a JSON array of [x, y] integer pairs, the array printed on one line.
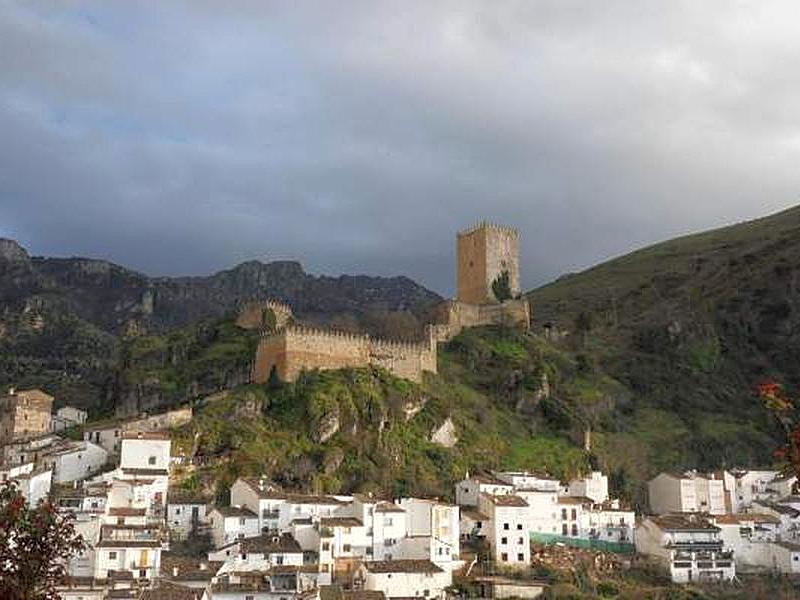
[[269, 544], [683, 522], [364, 595], [235, 511], [177, 495], [388, 507], [313, 499], [401, 566], [508, 500], [340, 522], [146, 435], [583, 500], [733, 519], [473, 514], [143, 471], [166, 591], [265, 492], [189, 569], [126, 511], [128, 544]]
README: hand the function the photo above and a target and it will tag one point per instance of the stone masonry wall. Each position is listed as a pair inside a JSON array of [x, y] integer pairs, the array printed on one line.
[[252, 315], [24, 413], [298, 348], [455, 316], [484, 252]]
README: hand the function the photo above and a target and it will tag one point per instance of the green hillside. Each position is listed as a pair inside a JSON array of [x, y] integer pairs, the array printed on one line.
[[689, 326]]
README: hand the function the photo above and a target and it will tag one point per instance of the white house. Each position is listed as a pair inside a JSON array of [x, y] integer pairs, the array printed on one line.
[[750, 536], [593, 486], [66, 417], [385, 523], [689, 492], [523, 480], [260, 497], [437, 520], [186, 512], [509, 533], [74, 461], [688, 545], [306, 506], [229, 523], [786, 557], [279, 583], [468, 490], [751, 486], [404, 578], [33, 484], [145, 459], [259, 553], [134, 548]]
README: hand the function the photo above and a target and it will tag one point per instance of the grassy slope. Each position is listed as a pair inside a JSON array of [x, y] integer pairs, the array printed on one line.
[[274, 430], [689, 326]]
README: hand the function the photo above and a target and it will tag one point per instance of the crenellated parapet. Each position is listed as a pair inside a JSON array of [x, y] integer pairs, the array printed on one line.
[[488, 225], [253, 315], [300, 347]]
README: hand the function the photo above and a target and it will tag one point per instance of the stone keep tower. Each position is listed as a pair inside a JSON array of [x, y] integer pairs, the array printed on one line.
[[484, 252]]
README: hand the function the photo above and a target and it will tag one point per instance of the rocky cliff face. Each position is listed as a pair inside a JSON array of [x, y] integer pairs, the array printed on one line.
[[62, 319]]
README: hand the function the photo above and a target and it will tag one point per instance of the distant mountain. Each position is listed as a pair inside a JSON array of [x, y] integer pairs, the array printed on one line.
[[62, 319], [690, 326]]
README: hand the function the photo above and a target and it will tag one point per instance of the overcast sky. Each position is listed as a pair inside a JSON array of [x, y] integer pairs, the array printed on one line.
[[182, 137]]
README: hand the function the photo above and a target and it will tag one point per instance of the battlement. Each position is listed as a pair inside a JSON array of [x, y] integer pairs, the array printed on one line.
[[251, 315], [298, 347], [488, 225]]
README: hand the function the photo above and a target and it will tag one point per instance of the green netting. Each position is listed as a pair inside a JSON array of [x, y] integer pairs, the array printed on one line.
[[552, 538]]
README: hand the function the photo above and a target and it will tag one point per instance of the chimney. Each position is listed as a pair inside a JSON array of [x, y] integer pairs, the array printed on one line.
[[174, 571]]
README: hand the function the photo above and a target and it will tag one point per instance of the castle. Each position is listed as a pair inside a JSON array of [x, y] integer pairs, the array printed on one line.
[[488, 263]]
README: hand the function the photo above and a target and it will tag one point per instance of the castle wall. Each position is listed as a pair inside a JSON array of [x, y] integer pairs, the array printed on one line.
[[25, 413], [483, 253], [296, 349], [456, 316], [252, 315]]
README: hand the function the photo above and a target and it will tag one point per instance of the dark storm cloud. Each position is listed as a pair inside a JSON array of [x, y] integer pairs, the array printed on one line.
[[182, 137]]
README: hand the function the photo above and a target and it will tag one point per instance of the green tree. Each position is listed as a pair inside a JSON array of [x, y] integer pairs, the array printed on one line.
[[501, 287], [35, 545]]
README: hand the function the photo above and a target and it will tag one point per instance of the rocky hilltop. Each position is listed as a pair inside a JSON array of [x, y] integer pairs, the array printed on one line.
[[62, 320]]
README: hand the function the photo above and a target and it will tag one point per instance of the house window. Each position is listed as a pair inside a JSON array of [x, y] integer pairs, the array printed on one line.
[[346, 548], [326, 546], [112, 556], [387, 521], [177, 511], [564, 529], [142, 573], [520, 541], [574, 529], [563, 514], [242, 521], [574, 514], [426, 593], [504, 557], [519, 526], [520, 557], [504, 541], [151, 460], [506, 526], [248, 597]]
